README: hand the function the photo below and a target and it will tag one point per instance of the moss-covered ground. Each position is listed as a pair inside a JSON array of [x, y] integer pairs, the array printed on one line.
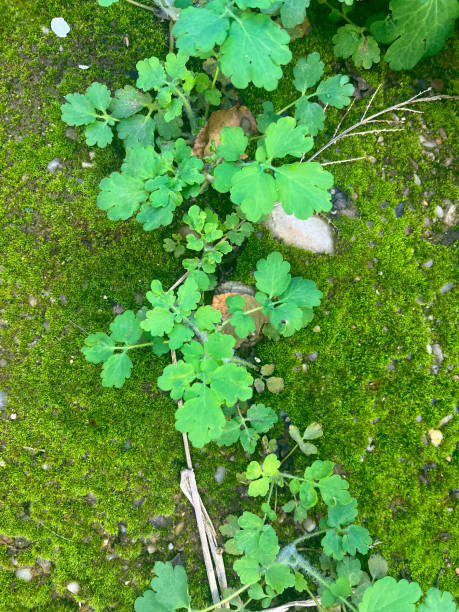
[[83, 468]]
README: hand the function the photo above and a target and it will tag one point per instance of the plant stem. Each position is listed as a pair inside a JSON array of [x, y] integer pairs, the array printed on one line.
[[308, 536], [229, 598], [133, 346], [282, 110], [139, 4], [244, 362], [290, 453], [342, 15], [188, 110], [316, 601]]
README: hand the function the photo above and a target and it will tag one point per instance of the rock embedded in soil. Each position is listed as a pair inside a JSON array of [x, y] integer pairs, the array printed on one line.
[[220, 474], [24, 573], [313, 234]]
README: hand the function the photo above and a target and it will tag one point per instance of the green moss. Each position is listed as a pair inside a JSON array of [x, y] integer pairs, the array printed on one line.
[[67, 266]]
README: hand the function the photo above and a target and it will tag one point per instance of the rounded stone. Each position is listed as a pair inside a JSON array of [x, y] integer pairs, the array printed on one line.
[[24, 573], [313, 234], [73, 587]]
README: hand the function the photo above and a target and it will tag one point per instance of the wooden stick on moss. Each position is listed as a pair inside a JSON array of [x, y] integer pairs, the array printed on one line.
[[402, 106]]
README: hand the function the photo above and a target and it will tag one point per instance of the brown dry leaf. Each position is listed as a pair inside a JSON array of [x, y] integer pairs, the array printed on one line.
[[300, 30], [236, 116], [219, 303]]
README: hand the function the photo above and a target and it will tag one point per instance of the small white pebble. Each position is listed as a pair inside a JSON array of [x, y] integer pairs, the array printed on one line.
[[60, 27], [170, 546], [73, 587], [2, 463], [439, 212], [86, 165], [220, 474], [83, 67], [435, 436], [45, 30], [316, 329], [13, 416], [24, 573]]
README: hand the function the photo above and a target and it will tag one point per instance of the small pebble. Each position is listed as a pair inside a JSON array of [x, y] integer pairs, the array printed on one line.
[[60, 27], [24, 573], [417, 180], [446, 288], [435, 436], [438, 353], [55, 164], [316, 329], [439, 212], [428, 264], [13, 416], [83, 67], [309, 525], [170, 546], [220, 474], [312, 356], [73, 587]]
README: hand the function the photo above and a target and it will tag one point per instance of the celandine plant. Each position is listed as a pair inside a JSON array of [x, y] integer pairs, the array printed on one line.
[[158, 121]]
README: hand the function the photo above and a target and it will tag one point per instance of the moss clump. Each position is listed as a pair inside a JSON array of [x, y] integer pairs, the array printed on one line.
[[85, 468]]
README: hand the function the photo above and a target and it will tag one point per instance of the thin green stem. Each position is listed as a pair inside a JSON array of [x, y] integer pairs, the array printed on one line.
[[308, 536], [290, 453], [314, 599], [226, 600], [244, 362], [132, 346], [188, 110], [342, 15]]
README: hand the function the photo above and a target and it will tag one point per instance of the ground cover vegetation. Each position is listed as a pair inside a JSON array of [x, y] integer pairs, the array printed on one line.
[[156, 177]]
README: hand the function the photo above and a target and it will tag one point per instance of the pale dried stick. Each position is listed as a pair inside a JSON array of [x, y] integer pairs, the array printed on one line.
[[197, 506], [343, 161], [307, 603], [401, 107]]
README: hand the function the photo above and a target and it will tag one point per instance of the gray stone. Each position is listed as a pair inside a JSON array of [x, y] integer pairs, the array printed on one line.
[[312, 356], [160, 521], [54, 165], [428, 264], [3, 397], [24, 573], [438, 353], [446, 288], [220, 474], [313, 234], [450, 215], [60, 27], [73, 587]]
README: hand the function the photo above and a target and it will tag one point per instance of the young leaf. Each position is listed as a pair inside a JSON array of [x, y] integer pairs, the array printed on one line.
[[220, 346], [254, 51], [307, 71], [98, 133], [78, 110], [377, 566], [207, 317], [121, 195], [248, 570], [335, 590], [332, 545], [128, 101], [176, 378], [275, 384], [308, 495], [99, 95], [334, 490], [342, 514], [250, 186], [388, 595], [232, 382], [350, 569]]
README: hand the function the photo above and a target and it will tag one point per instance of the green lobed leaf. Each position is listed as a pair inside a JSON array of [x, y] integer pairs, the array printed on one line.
[[98, 347], [356, 538], [200, 416], [170, 590], [98, 133], [342, 514], [78, 110], [308, 495], [286, 138], [254, 51], [437, 601], [311, 115], [128, 101], [335, 91], [388, 595], [302, 188], [99, 95], [207, 317], [350, 569], [121, 195], [138, 129], [126, 328], [116, 369], [151, 74], [307, 71], [421, 27], [334, 490], [232, 382], [199, 30], [332, 545], [261, 417], [293, 12], [176, 378], [248, 570], [336, 590], [234, 143], [279, 577], [251, 187], [272, 275]]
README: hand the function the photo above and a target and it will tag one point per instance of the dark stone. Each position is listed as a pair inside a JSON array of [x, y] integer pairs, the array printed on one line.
[[399, 209], [340, 198], [160, 521]]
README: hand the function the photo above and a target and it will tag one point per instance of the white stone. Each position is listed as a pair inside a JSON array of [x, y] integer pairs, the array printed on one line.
[[450, 215], [60, 27], [313, 234], [220, 474], [24, 573], [73, 587]]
